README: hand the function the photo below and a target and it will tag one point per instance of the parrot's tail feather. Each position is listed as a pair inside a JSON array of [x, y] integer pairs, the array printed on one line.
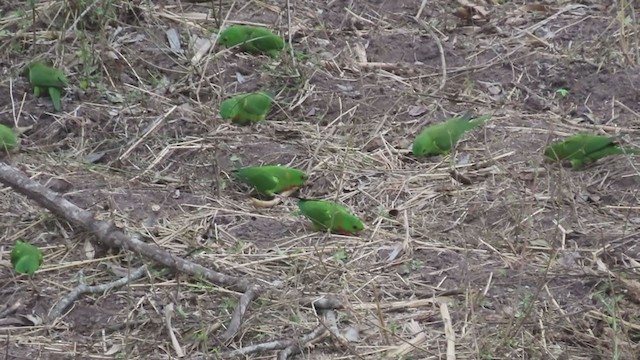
[[628, 150], [480, 120]]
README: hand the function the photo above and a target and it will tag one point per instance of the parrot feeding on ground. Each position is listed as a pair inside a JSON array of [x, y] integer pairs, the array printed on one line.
[[271, 179], [43, 77], [440, 138], [582, 149], [252, 39], [25, 258], [8, 140], [246, 108], [327, 215]]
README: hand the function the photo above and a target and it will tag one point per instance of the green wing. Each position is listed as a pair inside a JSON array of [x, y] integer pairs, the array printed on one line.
[[230, 108], [234, 35], [319, 212], [329, 215], [246, 108], [261, 180], [577, 147], [27, 264], [252, 39], [272, 179], [288, 178], [265, 41], [25, 258], [441, 138], [8, 139], [612, 149], [45, 76], [256, 105]]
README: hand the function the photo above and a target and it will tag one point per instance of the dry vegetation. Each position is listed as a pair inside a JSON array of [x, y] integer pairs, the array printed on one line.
[[516, 259]]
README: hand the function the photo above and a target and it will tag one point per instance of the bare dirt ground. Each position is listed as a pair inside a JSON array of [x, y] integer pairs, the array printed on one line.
[[525, 261]]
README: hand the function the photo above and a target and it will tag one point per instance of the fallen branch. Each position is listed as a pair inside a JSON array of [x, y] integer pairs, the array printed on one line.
[[83, 288], [236, 318], [290, 347], [113, 237], [253, 349], [297, 345], [10, 309]]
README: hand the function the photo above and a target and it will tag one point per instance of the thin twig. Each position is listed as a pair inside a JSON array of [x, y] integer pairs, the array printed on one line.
[[448, 331], [168, 311], [443, 61], [83, 288], [10, 309], [297, 345], [236, 318]]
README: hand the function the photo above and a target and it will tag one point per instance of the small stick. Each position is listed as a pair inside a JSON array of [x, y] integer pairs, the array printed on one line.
[[236, 318], [168, 310], [10, 309], [448, 331], [83, 288], [443, 61]]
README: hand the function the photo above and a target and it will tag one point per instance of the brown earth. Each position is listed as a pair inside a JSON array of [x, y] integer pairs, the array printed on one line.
[[531, 260]]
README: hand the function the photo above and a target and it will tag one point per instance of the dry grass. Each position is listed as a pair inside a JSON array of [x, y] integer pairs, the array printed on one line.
[[517, 260]]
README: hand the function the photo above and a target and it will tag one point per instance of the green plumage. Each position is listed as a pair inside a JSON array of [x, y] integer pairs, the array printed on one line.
[[246, 108], [271, 179], [8, 139], [43, 77], [25, 258], [440, 138], [252, 39], [582, 149], [328, 215]]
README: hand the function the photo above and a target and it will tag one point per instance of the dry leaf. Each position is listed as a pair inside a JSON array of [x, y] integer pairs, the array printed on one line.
[[536, 7], [351, 334], [417, 110], [174, 40], [35, 319], [469, 11], [116, 348], [89, 250]]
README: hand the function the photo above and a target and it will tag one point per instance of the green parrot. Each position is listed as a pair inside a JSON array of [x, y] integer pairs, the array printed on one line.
[[252, 39], [246, 108], [328, 215], [43, 77], [25, 258], [8, 139], [582, 149], [440, 138], [271, 179]]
